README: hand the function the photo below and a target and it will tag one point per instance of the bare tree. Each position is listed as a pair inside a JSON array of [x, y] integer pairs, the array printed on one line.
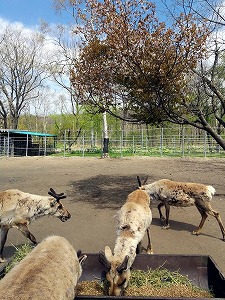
[[22, 71], [65, 53]]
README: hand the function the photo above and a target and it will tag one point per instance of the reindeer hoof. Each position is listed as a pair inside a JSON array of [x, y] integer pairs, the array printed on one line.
[[166, 227], [195, 232], [149, 251], [2, 260]]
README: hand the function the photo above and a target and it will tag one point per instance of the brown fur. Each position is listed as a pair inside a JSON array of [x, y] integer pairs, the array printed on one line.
[[183, 194], [50, 271], [19, 209], [134, 219]]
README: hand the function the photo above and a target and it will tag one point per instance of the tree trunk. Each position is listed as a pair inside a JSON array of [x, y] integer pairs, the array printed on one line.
[[105, 152], [14, 122]]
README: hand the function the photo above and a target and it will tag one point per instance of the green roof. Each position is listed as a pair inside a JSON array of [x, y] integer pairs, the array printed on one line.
[[28, 132]]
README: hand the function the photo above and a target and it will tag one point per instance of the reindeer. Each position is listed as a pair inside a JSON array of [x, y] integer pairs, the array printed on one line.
[[134, 219], [18, 209], [182, 194], [50, 271]]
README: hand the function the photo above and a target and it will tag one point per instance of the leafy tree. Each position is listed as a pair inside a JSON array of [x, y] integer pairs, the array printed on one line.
[[131, 60], [138, 69]]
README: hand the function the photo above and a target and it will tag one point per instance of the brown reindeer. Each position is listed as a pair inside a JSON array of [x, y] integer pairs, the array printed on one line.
[[134, 219], [19, 209], [50, 271], [182, 194]]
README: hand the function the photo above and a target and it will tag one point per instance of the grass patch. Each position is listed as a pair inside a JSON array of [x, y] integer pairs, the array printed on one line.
[[20, 253]]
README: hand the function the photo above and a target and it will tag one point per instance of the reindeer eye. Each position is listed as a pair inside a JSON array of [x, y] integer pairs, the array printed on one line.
[[60, 206]]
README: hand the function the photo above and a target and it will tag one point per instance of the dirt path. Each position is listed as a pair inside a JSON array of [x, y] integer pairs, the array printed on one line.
[[96, 188]]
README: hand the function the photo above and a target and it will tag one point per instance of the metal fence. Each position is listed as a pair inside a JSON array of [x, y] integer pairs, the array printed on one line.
[[26, 146], [178, 141]]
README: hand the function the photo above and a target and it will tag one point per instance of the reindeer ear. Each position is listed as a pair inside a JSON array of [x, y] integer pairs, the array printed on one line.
[[103, 260], [108, 253]]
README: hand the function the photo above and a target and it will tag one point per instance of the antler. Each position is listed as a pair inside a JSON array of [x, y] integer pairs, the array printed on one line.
[[55, 195], [139, 181], [123, 265], [145, 181], [142, 183]]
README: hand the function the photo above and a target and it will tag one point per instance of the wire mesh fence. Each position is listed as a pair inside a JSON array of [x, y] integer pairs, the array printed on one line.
[[179, 141], [152, 142]]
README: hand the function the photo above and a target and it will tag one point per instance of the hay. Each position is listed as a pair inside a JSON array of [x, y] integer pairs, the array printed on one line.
[[158, 283]]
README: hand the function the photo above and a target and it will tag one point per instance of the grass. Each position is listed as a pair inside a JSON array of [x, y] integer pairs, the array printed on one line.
[[116, 152], [19, 254]]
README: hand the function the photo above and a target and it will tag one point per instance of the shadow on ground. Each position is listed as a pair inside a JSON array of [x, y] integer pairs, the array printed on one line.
[[174, 225], [104, 191]]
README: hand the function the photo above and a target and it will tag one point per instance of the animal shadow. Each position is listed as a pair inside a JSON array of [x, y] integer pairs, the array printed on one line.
[[104, 191]]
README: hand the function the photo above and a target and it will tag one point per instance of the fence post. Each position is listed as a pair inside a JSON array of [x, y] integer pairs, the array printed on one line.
[[182, 141], [205, 141], [64, 144], [27, 146], [161, 142], [83, 147], [121, 144], [8, 147], [45, 150]]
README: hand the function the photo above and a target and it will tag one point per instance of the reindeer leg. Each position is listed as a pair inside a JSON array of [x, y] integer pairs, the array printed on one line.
[[161, 204], [216, 215], [4, 233], [25, 231], [139, 248], [149, 246], [167, 207], [204, 217]]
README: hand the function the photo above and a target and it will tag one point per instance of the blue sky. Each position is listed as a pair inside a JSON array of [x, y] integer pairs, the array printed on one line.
[[30, 12]]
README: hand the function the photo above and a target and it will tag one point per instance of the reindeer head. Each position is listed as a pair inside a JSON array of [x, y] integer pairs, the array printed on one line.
[[142, 183], [56, 206], [118, 274]]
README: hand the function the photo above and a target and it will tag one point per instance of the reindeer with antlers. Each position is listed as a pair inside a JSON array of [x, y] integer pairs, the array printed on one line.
[[182, 194], [19, 209]]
